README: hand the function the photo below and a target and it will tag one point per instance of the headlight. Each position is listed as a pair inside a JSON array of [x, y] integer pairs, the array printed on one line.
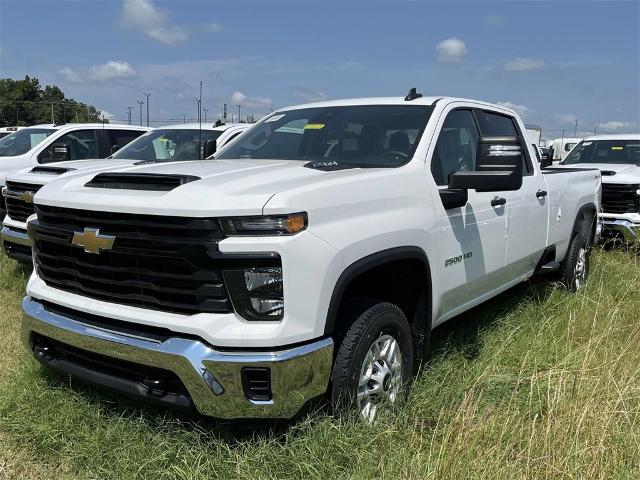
[[265, 224], [256, 293]]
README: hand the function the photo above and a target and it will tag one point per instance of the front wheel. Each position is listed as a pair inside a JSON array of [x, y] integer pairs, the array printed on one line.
[[374, 364], [575, 267]]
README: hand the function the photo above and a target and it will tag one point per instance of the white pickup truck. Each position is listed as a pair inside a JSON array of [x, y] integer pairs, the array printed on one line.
[[172, 143], [618, 158], [46, 144], [312, 257]]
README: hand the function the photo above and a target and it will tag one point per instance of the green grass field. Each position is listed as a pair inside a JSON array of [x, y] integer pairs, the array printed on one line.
[[537, 383]]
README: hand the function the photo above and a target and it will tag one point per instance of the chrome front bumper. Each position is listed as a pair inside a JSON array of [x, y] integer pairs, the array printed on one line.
[[212, 378], [12, 236], [630, 230]]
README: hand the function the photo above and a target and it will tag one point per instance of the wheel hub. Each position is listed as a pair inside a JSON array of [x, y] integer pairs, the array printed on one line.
[[380, 377]]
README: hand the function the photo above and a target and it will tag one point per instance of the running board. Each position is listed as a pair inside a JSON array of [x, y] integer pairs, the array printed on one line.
[[549, 267]]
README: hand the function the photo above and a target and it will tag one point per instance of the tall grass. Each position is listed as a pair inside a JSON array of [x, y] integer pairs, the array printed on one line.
[[537, 383]]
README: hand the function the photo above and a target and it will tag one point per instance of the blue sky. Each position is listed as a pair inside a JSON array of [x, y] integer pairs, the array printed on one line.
[[556, 62]]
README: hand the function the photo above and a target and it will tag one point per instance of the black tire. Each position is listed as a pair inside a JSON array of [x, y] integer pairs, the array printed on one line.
[[378, 320], [571, 276]]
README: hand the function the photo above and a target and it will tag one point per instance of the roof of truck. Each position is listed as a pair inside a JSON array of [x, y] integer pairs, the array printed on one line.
[[389, 101], [60, 126], [205, 126], [620, 136]]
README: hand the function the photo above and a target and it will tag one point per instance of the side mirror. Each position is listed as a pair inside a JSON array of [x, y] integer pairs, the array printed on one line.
[[60, 152], [209, 148], [498, 167]]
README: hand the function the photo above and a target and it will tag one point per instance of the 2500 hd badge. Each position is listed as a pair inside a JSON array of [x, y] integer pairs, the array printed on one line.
[[453, 260]]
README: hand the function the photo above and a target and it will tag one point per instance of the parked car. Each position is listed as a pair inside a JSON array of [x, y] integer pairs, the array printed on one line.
[[618, 158], [312, 258], [4, 131], [43, 144], [166, 144], [561, 148]]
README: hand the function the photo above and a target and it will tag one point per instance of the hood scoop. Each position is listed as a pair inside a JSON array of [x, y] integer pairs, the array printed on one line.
[[608, 173], [51, 170], [140, 181]]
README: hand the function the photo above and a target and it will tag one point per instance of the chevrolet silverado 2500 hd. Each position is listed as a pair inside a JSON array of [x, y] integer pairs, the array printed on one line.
[[166, 144], [618, 158], [45, 144], [312, 257]]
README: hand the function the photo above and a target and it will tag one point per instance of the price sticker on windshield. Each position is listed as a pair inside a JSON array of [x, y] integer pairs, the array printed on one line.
[[314, 126]]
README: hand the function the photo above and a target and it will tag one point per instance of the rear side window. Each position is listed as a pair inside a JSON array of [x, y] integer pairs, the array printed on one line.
[[119, 138]]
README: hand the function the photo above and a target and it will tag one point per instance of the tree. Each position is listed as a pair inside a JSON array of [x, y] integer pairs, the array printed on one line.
[[25, 102]]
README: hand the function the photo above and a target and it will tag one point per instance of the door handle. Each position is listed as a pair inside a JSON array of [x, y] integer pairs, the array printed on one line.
[[497, 202], [541, 194]]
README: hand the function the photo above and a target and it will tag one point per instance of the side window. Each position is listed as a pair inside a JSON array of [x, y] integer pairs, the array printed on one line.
[[119, 138], [456, 147], [494, 124], [81, 144]]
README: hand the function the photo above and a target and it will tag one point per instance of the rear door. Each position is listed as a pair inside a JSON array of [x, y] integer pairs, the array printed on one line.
[[526, 208], [471, 239]]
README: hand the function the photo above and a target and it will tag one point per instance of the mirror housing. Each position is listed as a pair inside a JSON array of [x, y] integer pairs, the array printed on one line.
[[60, 152], [209, 148], [498, 167]]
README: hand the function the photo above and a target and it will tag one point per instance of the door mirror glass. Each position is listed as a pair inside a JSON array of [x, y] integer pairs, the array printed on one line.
[[60, 152], [498, 167]]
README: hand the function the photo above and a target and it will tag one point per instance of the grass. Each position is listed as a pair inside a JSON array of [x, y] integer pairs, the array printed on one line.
[[537, 383]]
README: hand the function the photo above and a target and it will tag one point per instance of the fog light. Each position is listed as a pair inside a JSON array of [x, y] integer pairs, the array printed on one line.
[[256, 293]]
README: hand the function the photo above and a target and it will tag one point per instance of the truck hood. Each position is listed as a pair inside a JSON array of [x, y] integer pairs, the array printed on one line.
[[612, 172], [9, 165], [225, 187], [41, 178]]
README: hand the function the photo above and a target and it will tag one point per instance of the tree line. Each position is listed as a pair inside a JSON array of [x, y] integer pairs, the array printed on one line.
[[26, 102]]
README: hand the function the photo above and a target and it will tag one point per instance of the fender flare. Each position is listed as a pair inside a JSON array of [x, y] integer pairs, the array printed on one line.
[[588, 206], [369, 262]]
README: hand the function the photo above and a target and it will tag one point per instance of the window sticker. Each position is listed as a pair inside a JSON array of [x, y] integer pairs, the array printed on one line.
[[617, 148], [275, 118], [314, 126]]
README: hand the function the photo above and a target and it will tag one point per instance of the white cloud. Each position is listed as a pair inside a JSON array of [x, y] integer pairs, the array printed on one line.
[[566, 119], [111, 71], [451, 50], [212, 27], [69, 74], [613, 126], [239, 98], [521, 110], [106, 115], [523, 65], [153, 21], [309, 94]]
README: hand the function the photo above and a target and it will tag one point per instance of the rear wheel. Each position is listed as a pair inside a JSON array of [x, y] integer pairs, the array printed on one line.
[[575, 267], [374, 364]]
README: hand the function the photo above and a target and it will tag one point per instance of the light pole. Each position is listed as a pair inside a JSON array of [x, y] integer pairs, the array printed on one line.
[[239, 117], [140, 102], [205, 110], [147, 95], [129, 114]]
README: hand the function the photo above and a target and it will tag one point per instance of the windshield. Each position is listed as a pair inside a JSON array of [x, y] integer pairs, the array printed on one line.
[[363, 135], [23, 140], [605, 151], [167, 145]]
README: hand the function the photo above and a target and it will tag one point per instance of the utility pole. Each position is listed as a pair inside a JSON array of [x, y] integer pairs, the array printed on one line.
[[140, 102], [129, 114], [239, 117], [53, 120], [205, 110], [595, 128], [200, 122], [147, 95], [184, 118], [224, 113], [575, 130]]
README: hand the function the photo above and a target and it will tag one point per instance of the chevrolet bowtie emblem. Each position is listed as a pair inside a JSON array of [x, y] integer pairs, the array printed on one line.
[[92, 241], [27, 197]]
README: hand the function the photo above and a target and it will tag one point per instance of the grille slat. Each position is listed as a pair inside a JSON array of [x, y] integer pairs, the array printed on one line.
[[620, 198], [163, 263], [17, 209]]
